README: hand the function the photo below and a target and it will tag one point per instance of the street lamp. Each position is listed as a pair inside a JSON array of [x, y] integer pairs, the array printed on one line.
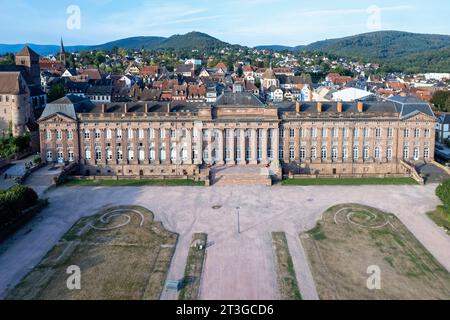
[[238, 217]]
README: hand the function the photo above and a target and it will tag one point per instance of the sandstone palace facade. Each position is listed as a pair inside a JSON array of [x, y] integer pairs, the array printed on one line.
[[178, 139]]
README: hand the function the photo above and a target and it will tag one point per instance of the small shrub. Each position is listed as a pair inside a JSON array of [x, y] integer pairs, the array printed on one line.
[[443, 192], [37, 160]]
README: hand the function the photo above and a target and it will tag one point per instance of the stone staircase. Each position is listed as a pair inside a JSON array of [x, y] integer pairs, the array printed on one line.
[[237, 175]]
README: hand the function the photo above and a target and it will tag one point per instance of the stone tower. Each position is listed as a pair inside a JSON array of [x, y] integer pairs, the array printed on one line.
[[30, 60]]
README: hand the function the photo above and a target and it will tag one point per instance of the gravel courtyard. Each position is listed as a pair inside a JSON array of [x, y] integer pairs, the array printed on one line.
[[237, 266]]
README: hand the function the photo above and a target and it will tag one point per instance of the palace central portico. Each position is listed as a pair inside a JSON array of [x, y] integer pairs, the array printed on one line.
[[178, 139]]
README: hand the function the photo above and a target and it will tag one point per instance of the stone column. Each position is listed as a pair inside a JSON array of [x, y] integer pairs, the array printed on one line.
[[134, 145], [189, 146], [242, 147], [210, 145], [124, 147], [297, 144], [64, 145], [167, 141], [199, 145], [157, 133], [146, 146], [92, 146], [178, 146], [286, 145], [275, 144], [103, 146], [231, 147], [254, 147], [220, 152], [264, 160]]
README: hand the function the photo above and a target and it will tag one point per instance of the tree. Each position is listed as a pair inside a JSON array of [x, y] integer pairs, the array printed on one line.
[[443, 192], [56, 92], [8, 59], [441, 99]]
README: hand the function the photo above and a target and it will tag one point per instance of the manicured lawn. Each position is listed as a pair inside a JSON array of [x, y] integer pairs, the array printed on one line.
[[194, 268], [133, 183], [287, 280], [351, 240], [122, 255], [348, 181], [441, 218]]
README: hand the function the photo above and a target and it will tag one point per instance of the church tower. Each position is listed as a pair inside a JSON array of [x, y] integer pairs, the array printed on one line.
[[62, 54]]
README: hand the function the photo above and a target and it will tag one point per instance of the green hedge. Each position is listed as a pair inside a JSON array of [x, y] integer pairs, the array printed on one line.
[[14, 201], [443, 192]]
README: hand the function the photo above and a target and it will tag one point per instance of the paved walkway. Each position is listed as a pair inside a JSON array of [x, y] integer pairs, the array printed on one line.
[[237, 266]]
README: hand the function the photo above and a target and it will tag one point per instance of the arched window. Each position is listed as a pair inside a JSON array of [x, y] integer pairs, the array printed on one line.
[[426, 153], [162, 154], [109, 154], [389, 153], [141, 155], [302, 153], [173, 154], [334, 153], [416, 154], [405, 153], [291, 153], [313, 154], [366, 153], [324, 153], [378, 153], [152, 154], [355, 153], [98, 154]]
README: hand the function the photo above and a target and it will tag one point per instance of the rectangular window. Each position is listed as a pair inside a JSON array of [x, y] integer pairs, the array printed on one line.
[[366, 132], [130, 134], [378, 132], [390, 133], [141, 134], [313, 132], [335, 132], [97, 134], [108, 134], [406, 133], [345, 132], [324, 132], [69, 135], [88, 154], [427, 133], [152, 133], [416, 133], [302, 133], [291, 133], [87, 134], [58, 135], [355, 133], [119, 134]]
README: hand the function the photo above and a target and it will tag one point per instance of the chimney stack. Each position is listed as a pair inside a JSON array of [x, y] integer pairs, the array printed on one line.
[[103, 108], [360, 107], [297, 107], [126, 108], [319, 107], [339, 107]]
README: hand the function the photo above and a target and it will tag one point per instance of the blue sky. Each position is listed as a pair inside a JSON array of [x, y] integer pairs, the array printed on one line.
[[247, 22]]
